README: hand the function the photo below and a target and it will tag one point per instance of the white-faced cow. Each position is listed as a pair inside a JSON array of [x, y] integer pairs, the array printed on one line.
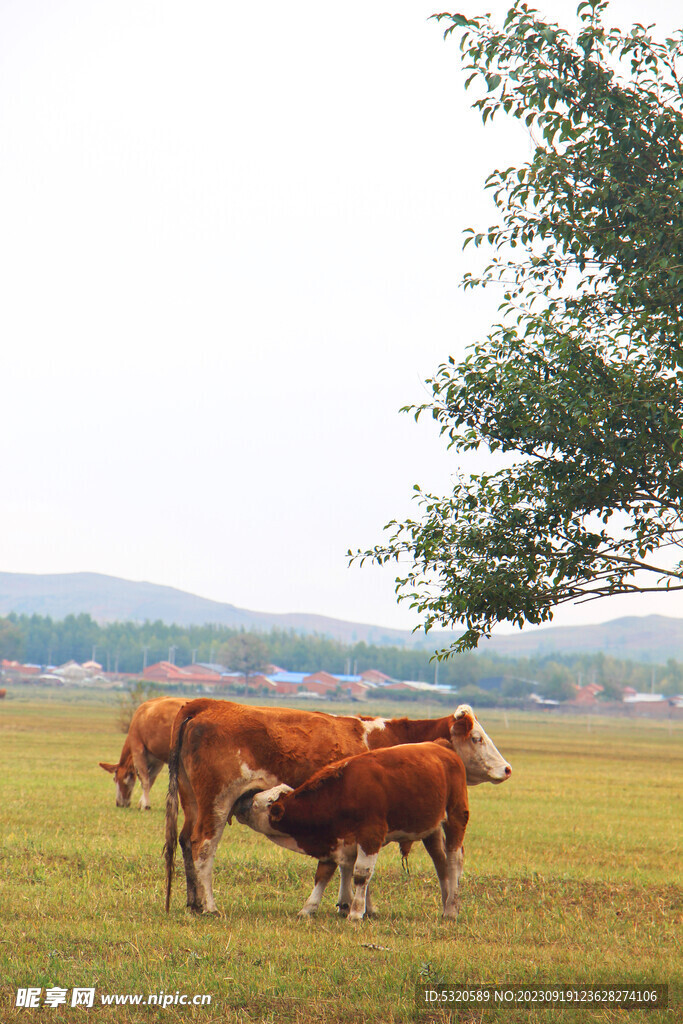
[[221, 750], [146, 749], [348, 811]]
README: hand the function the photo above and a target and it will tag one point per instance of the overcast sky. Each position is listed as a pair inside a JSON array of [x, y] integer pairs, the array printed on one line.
[[230, 251]]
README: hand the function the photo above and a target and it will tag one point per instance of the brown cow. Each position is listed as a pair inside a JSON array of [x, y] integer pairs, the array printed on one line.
[[147, 748], [221, 750], [346, 812], [3, 693]]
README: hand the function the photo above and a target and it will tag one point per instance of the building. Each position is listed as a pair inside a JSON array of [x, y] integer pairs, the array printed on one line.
[[375, 678], [587, 695], [324, 679], [192, 675]]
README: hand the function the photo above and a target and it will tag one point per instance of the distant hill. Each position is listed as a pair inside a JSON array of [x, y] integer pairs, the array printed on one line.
[[111, 599], [652, 638]]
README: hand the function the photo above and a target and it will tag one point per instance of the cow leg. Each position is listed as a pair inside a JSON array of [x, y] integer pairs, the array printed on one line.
[[346, 893], [454, 831], [139, 755], [324, 872], [211, 821], [205, 839], [436, 848], [346, 863], [455, 860], [189, 805], [346, 888], [152, 768], [370, 908], [362, 873]]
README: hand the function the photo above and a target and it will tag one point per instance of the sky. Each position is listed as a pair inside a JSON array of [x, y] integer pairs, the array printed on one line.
[[230, 249]]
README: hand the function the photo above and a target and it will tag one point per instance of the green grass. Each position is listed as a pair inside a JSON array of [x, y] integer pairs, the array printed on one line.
[[572, 874]]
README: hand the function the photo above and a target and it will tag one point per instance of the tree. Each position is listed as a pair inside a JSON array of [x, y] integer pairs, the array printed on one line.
[[130, 700], [245, 653], [516, 687], [556, 682], [580, 384], [672, 683], [11, 640]]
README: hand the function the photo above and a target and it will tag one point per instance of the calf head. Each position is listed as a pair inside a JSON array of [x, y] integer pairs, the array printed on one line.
[[254, 809], [482, 759], [125, 782]]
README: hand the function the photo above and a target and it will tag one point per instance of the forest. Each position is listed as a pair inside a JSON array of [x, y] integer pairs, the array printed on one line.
[[127, 647]]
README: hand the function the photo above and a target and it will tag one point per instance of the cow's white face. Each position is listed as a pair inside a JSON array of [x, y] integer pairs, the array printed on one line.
[[482, 759]]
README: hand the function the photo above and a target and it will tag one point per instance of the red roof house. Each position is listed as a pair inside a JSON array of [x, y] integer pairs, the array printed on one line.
[[323, 679], [373, 675], [165, 672]]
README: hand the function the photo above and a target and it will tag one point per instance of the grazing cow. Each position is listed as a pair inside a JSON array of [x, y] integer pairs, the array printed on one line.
[[221, 750], [3, 694], [346, 812], [147, 748]]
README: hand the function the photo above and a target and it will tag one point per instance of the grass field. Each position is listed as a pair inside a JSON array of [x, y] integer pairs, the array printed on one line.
[[572, 875]]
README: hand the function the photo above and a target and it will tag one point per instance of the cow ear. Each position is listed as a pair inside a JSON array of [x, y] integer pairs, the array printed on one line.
[[111, 768], [463, 722], [443, 742], [277, 812]]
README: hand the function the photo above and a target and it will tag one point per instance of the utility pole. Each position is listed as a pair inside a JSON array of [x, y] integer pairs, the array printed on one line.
[[144, 658], [171, 654]]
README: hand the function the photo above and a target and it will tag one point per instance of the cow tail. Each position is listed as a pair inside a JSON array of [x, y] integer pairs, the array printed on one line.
[[172, 811]]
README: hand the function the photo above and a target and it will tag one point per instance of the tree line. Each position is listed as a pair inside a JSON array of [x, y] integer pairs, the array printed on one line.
[[127, 647]]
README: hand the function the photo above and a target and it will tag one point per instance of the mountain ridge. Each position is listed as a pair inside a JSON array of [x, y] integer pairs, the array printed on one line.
[[106, 598], [651, 638], [111, 599]]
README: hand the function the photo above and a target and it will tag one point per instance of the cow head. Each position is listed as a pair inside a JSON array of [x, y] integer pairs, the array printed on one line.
[[482, 759], [125, 782]]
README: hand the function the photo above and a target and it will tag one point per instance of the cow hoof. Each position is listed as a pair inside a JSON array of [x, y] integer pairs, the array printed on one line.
[[450, 915], [200, 911], [355, 918], [305, 915], [343, 909]]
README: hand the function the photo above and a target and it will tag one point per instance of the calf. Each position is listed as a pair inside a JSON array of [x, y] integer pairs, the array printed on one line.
[[146, 750], [346, 812]]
